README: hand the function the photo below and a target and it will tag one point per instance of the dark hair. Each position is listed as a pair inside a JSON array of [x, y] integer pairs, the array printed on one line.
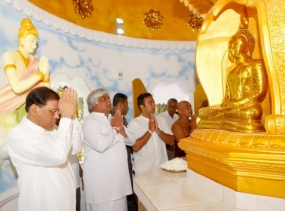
[[172, 100], [141, 97], [119, 98], [39, 96]]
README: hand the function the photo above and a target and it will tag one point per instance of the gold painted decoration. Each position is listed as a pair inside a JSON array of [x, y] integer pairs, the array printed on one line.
[[153, 20], [200, 8], [212, 1], [83, 7], [195, 22], [250, 163], [24, 59]]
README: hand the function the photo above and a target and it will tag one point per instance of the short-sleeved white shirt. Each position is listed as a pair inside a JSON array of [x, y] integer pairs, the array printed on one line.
[[165, 115], [153, 153]]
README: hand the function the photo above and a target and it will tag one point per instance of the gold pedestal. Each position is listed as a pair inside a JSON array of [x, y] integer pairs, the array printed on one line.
[[249, 163]]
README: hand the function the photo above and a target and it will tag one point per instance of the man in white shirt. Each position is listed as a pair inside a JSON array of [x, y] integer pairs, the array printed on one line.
[[151, 136], [106, 176], [120, 102], [40, 152], [170, 115], [77, 145]]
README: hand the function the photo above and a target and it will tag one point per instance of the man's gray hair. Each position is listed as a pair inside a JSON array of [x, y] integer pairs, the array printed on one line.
[[93, 98]]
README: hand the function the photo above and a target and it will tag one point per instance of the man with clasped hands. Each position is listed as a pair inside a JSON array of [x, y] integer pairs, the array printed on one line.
[[152, 134], [39, 151], [106, 175]]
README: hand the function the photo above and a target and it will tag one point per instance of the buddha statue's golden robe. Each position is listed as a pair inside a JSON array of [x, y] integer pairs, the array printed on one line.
[[241, 109], [246, 87]]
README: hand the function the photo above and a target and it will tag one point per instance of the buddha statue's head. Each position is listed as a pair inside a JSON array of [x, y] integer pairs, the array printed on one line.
[[243, 42], [27, 28]]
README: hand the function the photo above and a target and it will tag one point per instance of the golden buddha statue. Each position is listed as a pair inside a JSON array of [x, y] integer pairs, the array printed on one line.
[[248, 98], [246, 87]]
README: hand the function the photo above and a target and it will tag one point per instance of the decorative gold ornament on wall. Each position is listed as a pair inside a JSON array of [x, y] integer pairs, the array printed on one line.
[[83, 7], [153, 20], [195, 22]]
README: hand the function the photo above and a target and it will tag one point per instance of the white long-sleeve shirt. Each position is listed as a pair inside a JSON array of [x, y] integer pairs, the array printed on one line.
[[46, 181], [77, 145], [105, 170]]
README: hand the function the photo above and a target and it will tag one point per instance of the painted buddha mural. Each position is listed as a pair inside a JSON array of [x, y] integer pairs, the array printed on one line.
[[23, 72], [245, 88]]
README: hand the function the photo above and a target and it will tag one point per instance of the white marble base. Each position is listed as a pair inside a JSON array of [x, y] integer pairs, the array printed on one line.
[[161, 190], [238, 199]]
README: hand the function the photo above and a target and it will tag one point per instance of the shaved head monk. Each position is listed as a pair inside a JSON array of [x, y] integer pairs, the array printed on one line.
[[182, 127]]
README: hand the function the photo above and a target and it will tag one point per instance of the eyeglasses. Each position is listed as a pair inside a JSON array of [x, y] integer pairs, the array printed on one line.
[[55, 111]]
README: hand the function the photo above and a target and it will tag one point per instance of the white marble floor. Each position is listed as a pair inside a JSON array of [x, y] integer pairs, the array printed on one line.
[[159, 190]]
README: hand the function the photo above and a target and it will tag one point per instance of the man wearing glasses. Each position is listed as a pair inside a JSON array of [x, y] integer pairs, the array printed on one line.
[[40, 152]]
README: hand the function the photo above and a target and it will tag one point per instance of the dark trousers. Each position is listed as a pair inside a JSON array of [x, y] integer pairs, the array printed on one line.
[[78, 196], [178, 152], [131, 199]]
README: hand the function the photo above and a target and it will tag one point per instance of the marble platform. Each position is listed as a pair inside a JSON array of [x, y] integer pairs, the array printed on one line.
[[159, 190]]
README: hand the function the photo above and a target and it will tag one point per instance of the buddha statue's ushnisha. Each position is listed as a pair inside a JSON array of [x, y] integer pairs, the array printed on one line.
[[245, 88]]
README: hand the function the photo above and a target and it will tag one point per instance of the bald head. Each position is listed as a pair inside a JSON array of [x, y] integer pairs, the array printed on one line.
[[184, 109]]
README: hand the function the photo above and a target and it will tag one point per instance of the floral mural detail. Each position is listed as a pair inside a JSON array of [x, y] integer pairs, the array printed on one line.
[[83, 7], [153, 20], [195, 22]]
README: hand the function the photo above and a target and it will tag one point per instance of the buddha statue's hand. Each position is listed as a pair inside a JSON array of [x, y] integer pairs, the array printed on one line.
[[44, 66], [225, 105], [236, 104]]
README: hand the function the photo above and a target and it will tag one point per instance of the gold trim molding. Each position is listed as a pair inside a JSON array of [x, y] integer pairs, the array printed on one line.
[[245, 163]]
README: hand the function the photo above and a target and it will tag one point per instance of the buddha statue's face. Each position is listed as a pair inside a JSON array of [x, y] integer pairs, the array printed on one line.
[[29, 43], [237, 47]]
